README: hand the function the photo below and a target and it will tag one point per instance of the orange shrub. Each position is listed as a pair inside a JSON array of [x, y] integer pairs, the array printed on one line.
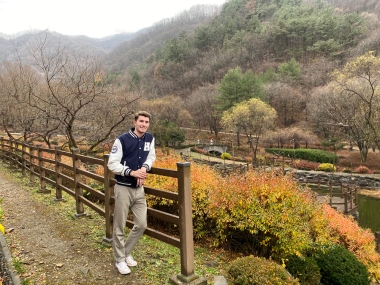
[[99, 169], [271, 207], [363, 170], [306, 165], [203, 180]]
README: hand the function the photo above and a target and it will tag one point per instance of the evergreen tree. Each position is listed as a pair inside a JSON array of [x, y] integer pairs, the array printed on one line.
[[237, 87]]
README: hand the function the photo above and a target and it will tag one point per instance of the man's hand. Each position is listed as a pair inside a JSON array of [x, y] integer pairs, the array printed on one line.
[[140, 182], [139, 173]]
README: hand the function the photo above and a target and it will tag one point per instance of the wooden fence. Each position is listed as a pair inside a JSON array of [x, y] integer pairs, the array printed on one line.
[[47, 165]]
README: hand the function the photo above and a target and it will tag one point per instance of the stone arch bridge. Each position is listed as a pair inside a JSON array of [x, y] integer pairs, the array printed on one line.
[[215, 149]]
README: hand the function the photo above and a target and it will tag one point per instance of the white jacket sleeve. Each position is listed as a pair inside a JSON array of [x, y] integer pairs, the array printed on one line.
[[115, 157], [151, 156]]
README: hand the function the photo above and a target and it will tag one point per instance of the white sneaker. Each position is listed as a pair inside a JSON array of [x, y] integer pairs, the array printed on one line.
[[130, 261], [122, 267]]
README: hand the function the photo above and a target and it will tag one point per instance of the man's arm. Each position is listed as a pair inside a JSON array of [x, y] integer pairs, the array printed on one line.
[[147, 165], [151, 157], [114, 161]]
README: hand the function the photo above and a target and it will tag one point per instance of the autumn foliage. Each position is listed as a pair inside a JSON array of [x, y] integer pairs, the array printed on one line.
[[203, 180], [346, 232], [265, 214], [280, 217]]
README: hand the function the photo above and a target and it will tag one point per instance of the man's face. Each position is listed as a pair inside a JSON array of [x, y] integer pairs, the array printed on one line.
[[141, 125]]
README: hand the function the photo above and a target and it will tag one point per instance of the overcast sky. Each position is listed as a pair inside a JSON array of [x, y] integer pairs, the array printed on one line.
[[93, 18]]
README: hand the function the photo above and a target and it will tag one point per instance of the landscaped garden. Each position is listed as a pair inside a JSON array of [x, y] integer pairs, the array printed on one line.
[[268, 215]]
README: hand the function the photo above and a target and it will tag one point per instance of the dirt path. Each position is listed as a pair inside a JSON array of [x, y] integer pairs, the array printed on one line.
[[52, 248]]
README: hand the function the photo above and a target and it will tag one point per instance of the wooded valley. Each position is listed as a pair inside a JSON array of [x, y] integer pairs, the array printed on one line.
[[280, 72]]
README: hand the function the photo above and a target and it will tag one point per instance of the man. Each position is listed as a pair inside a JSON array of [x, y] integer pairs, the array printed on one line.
[[132, 155]]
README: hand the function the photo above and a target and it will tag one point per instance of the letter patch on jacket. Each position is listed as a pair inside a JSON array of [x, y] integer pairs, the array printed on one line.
[[147, 146]]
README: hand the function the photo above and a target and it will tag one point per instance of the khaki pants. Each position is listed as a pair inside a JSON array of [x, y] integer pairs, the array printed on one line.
[[125, 198]]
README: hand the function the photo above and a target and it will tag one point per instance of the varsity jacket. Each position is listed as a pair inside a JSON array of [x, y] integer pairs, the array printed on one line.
[[129, 152]]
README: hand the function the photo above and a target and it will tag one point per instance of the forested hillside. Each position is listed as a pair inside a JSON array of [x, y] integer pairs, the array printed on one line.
[[204, 67]]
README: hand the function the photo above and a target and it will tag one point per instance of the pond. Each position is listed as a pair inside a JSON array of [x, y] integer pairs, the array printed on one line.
[[369, 212]]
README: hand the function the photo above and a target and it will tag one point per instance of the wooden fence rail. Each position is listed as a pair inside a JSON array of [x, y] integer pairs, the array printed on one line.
[[47, 165]]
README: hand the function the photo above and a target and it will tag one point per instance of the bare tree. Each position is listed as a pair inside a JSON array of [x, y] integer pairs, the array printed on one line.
[[293, 136], [202, 106], [168, 108], [17, 83], [75, 91], [352, 101], [287, 101]]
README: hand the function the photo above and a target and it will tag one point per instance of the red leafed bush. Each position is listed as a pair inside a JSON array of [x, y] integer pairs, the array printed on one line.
[[363, 170], [306, 165]]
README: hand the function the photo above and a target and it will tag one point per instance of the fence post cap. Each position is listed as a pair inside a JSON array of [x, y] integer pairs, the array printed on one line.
[[183, 164]]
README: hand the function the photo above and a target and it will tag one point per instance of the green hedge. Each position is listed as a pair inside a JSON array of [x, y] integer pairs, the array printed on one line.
[[339, 266], [309, 154]]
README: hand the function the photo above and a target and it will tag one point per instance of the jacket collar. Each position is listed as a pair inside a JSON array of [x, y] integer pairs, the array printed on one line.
[[131, 132]]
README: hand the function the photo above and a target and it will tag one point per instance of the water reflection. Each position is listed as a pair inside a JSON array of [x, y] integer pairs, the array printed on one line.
[[369, 212]]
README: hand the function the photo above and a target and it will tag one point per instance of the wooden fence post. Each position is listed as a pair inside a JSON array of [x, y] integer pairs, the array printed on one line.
[[265, 163], [331, 193], [41, 171], [2, 149], [377, 236], [31, 160], [10, 153], [356, 195], [345, 202], [351, 198], [78, 190], [109, 204], [15, 154], [283, 164], [187, 274], [23, 167], [58, 171]]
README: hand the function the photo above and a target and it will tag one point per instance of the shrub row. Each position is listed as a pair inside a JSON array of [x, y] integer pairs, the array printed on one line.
[[333, 265], [309, 154]]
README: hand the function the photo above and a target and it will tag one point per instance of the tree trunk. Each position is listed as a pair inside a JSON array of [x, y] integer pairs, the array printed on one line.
[[363, 148]]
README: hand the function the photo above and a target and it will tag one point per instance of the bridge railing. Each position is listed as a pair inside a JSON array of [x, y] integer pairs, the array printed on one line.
[[347, 194]]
